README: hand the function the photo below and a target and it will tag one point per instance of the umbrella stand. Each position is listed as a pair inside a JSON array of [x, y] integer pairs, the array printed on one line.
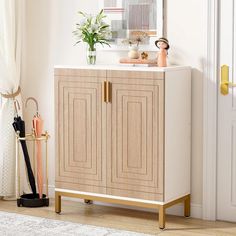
[[30, 200]]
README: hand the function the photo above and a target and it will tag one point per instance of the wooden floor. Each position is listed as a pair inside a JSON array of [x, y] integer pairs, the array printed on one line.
[[125, 219]]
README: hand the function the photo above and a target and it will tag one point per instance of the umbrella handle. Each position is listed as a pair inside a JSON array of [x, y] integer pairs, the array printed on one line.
[[16, 106], [36, 103]]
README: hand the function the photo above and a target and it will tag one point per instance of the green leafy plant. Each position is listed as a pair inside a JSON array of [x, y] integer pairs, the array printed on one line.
[[92, 30]]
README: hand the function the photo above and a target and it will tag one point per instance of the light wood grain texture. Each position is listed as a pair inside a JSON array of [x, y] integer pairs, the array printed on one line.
[[66, 72], [80, 127], [135, 137], [134, 74], [82, 187]]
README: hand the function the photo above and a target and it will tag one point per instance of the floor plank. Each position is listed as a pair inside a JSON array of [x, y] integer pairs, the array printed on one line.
[[125, 219]]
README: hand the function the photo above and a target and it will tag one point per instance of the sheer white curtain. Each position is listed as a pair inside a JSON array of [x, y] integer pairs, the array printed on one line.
[[11, 21]]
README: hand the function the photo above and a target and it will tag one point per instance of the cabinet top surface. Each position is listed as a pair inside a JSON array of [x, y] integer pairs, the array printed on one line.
[[124, 67]]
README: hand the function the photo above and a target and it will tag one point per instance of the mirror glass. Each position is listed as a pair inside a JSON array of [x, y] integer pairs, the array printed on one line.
[[134, 20]]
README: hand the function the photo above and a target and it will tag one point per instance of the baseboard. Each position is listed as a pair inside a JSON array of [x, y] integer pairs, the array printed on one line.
[[196, 209], [51, 191]]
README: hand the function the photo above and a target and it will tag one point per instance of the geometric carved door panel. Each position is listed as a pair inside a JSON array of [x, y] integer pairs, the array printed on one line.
[[112, 148], [135, 138], [80, 157]]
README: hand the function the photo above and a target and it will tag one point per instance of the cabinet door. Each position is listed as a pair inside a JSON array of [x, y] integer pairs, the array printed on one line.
[[135, 136], [80, 158]]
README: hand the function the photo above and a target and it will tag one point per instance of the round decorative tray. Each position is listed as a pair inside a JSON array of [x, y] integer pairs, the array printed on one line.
[[30, 200]]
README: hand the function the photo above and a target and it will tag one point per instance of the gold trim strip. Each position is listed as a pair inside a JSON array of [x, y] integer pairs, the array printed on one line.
[[109, 200], [122, 201], [174, 202], [31, 137]]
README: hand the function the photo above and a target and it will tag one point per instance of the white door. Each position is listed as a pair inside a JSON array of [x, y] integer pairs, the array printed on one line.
[[226, 166]]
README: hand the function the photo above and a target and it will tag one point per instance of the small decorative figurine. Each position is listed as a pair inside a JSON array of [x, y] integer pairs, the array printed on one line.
[[144, 55], [163, 45]]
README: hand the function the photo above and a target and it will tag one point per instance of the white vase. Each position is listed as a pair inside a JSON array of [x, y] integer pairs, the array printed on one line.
[[133, 52]]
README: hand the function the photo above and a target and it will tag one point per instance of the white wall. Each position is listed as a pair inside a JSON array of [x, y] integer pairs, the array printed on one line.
[[48, 41]]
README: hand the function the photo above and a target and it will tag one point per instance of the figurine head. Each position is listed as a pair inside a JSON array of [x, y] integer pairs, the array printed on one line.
[[162, 43]]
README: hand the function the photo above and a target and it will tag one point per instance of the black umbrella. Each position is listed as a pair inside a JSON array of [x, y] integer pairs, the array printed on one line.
[[19, 125]]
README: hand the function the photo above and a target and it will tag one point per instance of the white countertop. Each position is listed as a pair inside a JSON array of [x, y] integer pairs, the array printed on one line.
[[123, 67]]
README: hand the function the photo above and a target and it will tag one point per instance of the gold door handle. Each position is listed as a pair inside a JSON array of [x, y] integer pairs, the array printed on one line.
[[108, 91], [104, 91], [224, 83]]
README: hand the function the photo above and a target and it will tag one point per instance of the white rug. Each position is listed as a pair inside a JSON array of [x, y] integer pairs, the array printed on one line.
[[12, 224]]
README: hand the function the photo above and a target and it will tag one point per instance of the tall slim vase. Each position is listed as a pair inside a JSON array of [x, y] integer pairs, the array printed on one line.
[[91, 55]]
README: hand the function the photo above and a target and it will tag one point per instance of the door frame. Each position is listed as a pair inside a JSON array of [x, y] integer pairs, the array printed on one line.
[[210, 112]]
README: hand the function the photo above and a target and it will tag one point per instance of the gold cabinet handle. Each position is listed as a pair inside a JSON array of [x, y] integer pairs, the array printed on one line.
[[224, 83], [105, 91], [108, 91]]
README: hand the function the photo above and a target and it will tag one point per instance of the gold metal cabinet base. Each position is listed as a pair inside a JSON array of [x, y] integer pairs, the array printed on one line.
[[162, 207]]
